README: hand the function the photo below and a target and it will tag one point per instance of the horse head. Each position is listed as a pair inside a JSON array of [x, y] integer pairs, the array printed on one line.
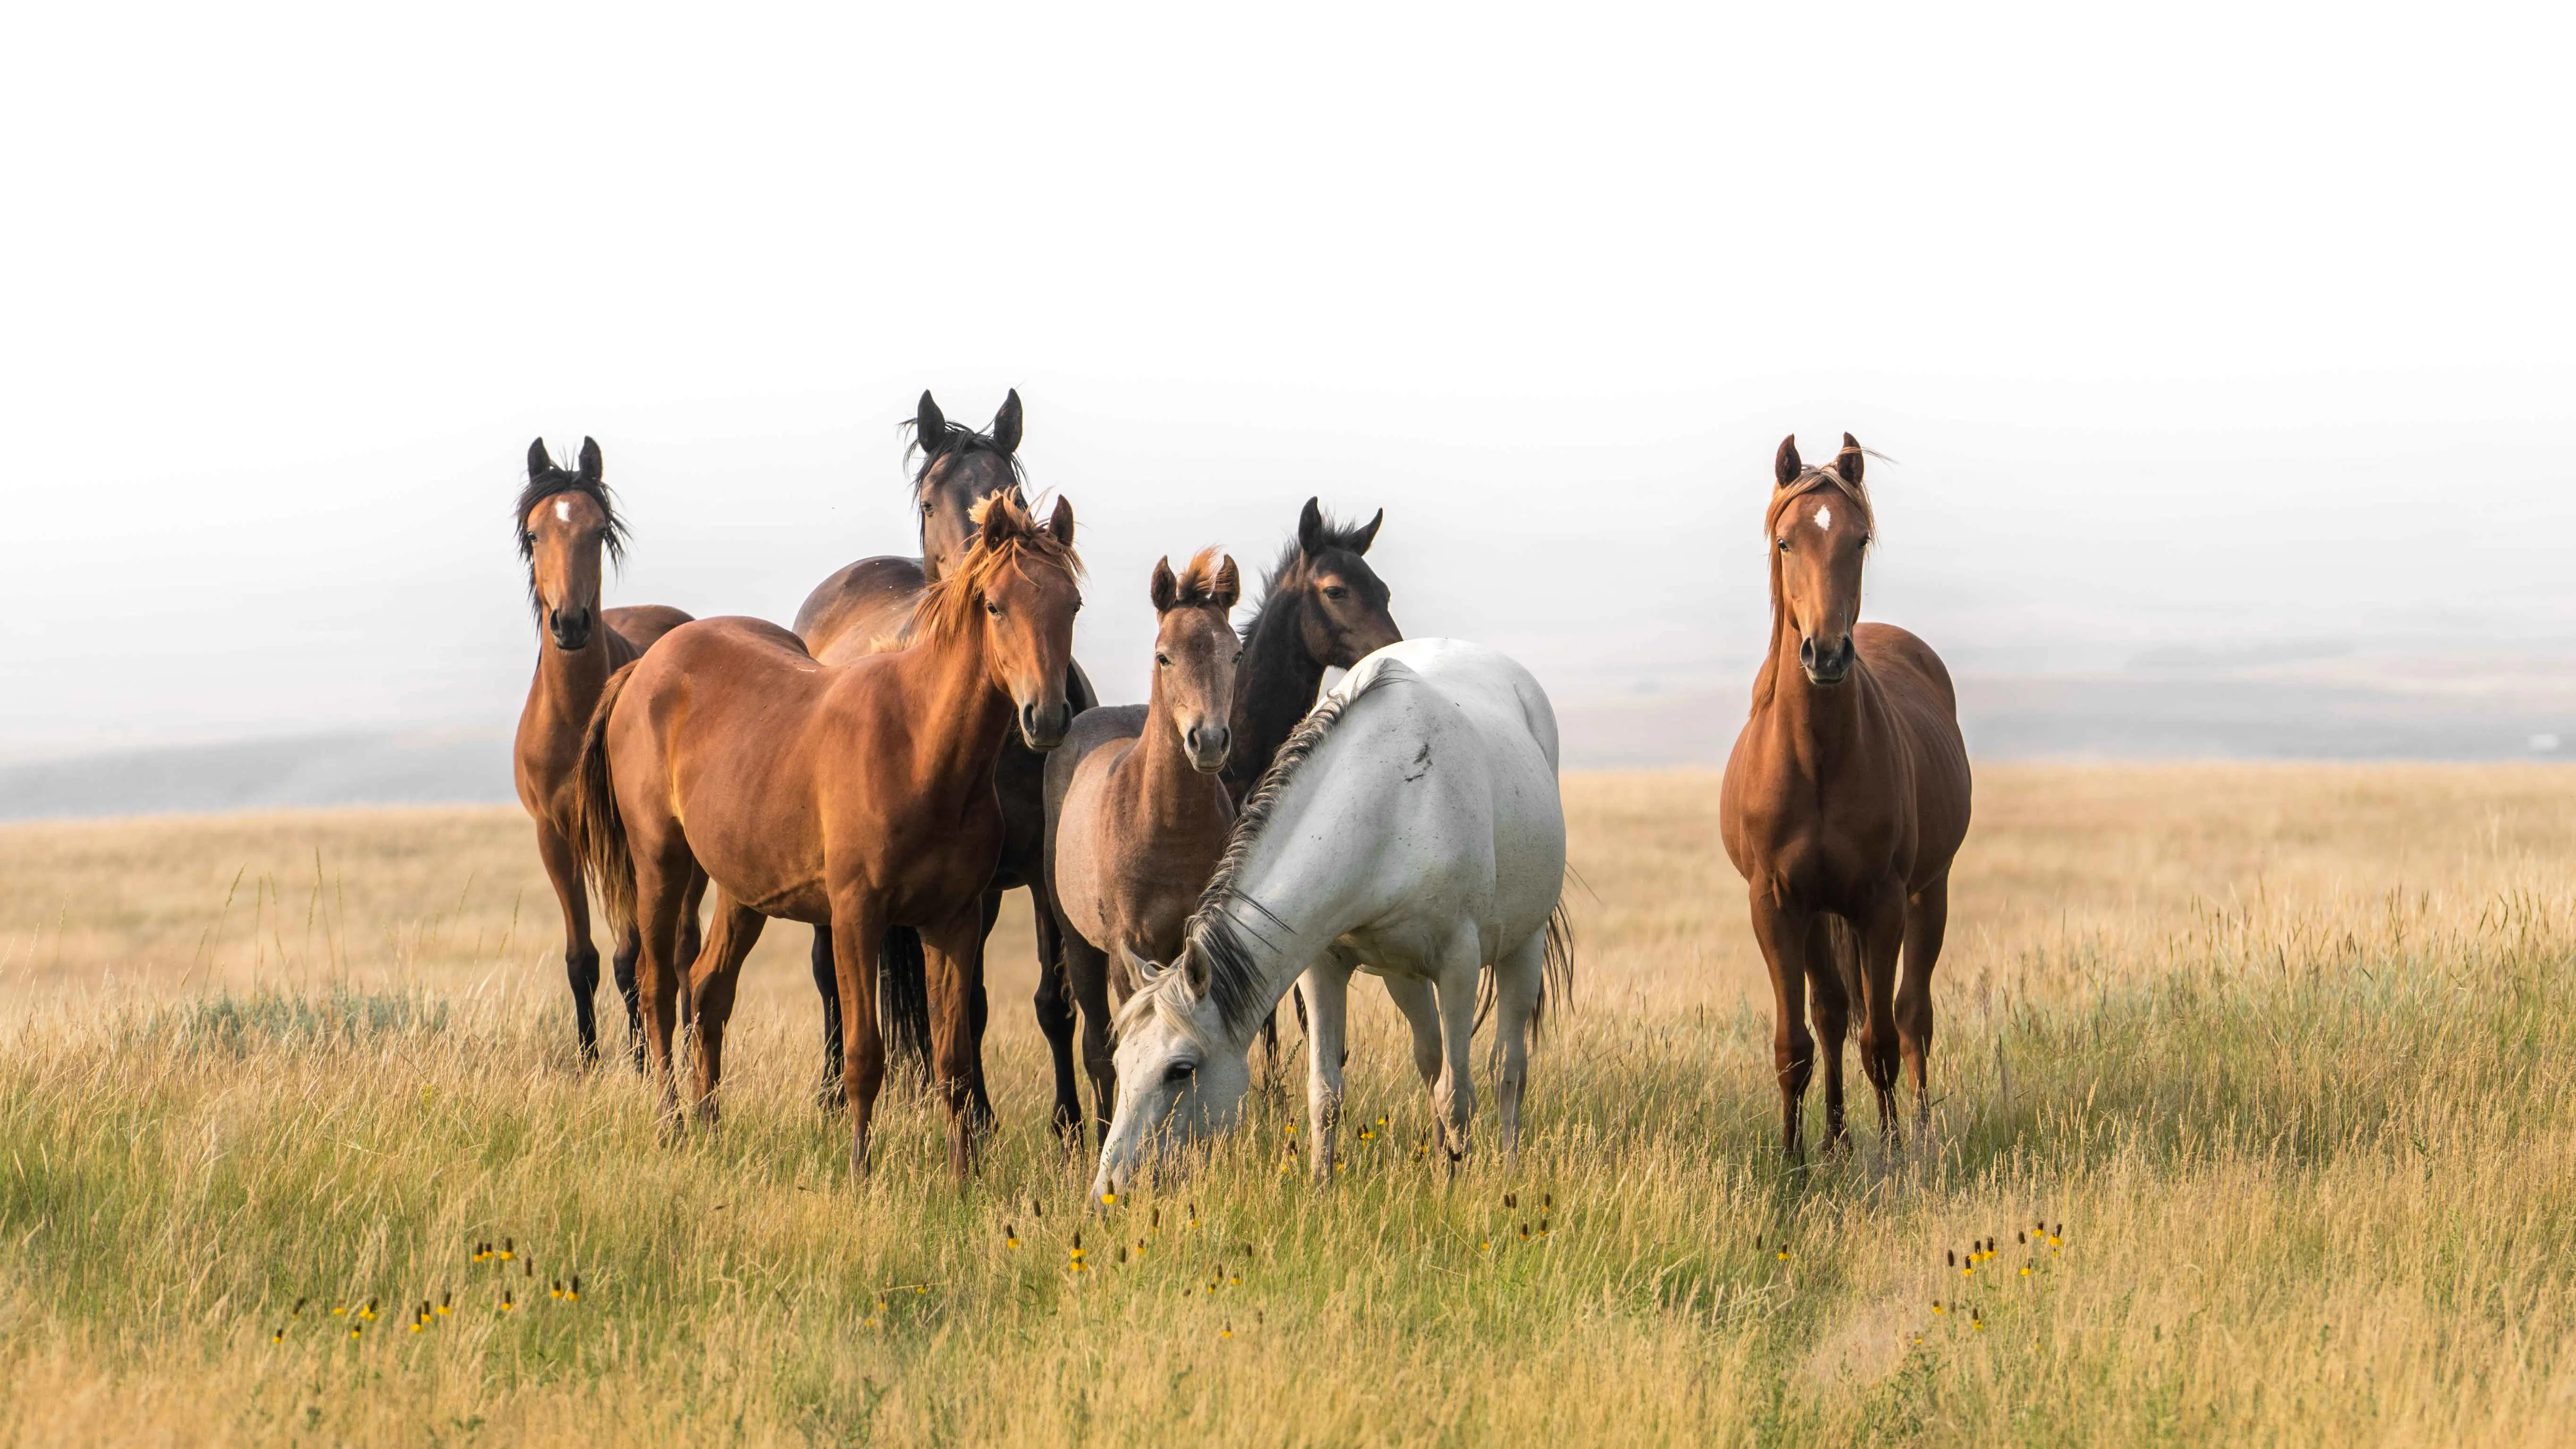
[[566, 520], [1819, 524], [960, 468], [1195, 651]]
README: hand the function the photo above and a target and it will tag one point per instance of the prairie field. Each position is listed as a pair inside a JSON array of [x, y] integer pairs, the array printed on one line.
[[2281, 1057]]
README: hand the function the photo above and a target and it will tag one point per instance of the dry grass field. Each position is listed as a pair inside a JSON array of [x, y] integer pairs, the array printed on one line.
[[2288, 1053]]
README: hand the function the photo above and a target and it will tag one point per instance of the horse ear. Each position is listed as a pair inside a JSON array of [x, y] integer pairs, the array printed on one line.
[[929, 425], [1229, 586], [590, 459], [1310, 527], [1847, 462], [1786, 467], [1139, 970], [1167, 590], [1194, 973], [1006, 424], [539, 460], [1061, 525], [1368, 535]]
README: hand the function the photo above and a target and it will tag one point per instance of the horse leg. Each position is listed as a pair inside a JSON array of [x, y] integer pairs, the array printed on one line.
[[660, 884], [1830, 1004], [686, 953], [1782, 934], [1327, 987], [1518, 980], [1927, 916], [979, 1005], [581, 957], [953, 955], [1086, 983], [629, 947], [1879, 936], [1454, 1097], [828, 1094], [1420, 1003], [712, 975], [858, 929], [1054, 1003]]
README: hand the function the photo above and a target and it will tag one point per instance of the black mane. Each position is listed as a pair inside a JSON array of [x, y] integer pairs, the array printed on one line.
[[546, 483], [1337, 537], [959, 439]]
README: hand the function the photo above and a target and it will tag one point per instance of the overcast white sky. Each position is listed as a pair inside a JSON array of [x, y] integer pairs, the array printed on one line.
[[2187, 324]]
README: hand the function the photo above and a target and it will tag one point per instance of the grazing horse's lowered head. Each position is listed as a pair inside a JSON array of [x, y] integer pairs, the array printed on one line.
[[565, 521], [960, 468], [1820, 525], [1184, 1065], [1017, 584], [1195, 651]]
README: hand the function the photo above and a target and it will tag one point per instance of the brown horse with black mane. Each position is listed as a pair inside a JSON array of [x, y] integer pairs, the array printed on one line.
[[866, 603], [1844, 802], [565, 521], [858, 796]]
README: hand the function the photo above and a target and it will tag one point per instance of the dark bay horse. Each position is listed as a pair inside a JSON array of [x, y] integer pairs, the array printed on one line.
[[870, 601], [1844, 802], [566, 521], [1322, 608], [858, 796]]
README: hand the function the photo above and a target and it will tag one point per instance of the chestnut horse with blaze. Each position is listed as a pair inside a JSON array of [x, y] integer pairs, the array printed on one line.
[[857, 796], [566, 522], [1845, 800]]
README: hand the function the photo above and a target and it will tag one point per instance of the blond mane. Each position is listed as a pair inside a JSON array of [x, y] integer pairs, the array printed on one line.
[[1008, 536]]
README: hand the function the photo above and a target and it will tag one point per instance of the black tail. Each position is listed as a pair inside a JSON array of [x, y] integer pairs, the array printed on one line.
[[903, 999], [1842, 945]]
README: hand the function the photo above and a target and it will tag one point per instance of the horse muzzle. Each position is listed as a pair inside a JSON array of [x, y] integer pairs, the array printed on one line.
[[1827, 666], [570, 627], [1208, 746], [1042, 727]]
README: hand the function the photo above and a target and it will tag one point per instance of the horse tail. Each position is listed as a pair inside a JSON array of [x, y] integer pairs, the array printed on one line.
[[903, 999], [1555, 975], [1842, 946], [599, 830]]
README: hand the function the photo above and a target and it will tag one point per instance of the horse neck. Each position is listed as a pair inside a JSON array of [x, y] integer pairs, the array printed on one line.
[[1273, 689], [1165, 783], [568, 681], [1296, 892], [1819, 725], [966, 718]]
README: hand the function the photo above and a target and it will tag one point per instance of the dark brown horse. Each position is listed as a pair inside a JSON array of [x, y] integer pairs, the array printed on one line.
[[566, 521], [872, 600], [1322, 608], [1845, 799], [857, 795]]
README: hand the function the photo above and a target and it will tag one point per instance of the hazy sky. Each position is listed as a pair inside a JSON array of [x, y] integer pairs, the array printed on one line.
[[2195, 324]]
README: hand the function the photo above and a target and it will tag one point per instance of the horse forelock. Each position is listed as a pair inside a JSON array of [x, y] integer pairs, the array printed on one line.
[[1196, 587], [545, 484]]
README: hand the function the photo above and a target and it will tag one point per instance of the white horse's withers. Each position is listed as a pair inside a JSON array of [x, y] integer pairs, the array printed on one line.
[[1410, 826]]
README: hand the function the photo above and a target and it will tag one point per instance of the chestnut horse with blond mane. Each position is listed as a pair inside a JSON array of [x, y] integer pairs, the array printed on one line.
[[567, 523], [857, 796], [1844, 802]]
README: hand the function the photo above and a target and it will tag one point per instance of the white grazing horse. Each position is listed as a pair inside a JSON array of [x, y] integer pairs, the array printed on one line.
[[1411, 823]]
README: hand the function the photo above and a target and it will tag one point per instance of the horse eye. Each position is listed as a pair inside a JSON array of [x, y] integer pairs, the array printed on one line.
[[1784, 545], [1162, 661], [1238, 656], [992, 608], [1337, 592], [1180, 1072]]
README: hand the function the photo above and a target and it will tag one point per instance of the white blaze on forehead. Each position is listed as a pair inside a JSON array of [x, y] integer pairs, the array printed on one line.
[[1824, 515], [563, 510]]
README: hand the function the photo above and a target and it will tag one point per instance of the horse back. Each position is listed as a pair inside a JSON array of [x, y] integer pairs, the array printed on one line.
[[641, 626], [848, 613]]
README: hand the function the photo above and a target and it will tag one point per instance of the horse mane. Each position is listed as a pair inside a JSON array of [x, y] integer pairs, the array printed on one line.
[[1007, 535], [1344, 536], [546, 483], [955, 439], [1196, 586], [1212, 936]]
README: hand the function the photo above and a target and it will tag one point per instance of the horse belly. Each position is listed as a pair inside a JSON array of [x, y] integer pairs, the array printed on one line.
[[1080, 853]]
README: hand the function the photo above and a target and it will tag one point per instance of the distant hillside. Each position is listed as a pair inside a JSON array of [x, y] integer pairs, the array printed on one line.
[[446, 767], [2284, 716]]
